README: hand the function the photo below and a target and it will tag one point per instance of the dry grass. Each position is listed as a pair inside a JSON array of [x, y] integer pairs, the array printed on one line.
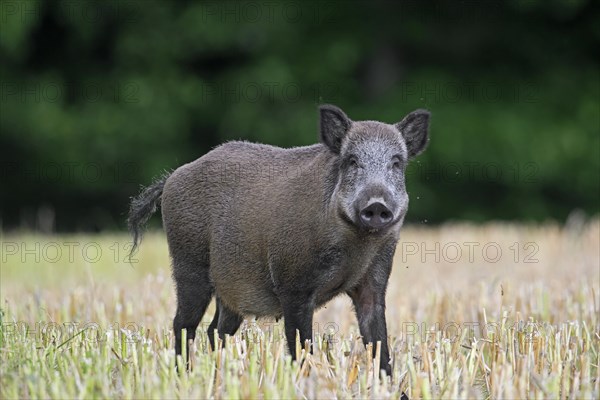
[[522, 324]]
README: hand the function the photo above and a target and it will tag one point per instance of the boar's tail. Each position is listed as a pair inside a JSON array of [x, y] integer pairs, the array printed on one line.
[[141, 209]]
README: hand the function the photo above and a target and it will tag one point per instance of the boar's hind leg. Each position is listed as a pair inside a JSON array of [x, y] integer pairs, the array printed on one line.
[[298, 315], [229, 321], [225, 321], [194, 293]]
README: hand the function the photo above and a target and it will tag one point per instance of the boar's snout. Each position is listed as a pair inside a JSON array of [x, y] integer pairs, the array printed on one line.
[[376, 216]]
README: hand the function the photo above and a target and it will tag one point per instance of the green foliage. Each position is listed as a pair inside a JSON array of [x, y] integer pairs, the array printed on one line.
[[99, 97]]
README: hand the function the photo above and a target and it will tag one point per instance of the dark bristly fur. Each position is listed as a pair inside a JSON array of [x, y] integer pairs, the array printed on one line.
[[274, 232]]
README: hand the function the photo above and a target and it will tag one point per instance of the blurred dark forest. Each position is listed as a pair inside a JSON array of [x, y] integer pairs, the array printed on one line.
[[98, 97]]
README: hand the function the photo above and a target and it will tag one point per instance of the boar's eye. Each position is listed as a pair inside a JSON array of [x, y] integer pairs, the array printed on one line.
[[352, 162], [396, 163]]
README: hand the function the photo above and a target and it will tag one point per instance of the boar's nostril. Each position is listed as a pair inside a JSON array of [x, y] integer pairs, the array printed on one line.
[[375, 216], [385, 215]]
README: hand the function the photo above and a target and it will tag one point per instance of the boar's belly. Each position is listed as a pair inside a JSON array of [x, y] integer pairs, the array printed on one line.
[[246, 290]]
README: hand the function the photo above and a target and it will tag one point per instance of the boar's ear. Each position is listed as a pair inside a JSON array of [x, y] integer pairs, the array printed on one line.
[[415, 130], [334, 125]]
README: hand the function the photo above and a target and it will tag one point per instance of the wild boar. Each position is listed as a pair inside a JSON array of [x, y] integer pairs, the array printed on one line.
[[273, 232]]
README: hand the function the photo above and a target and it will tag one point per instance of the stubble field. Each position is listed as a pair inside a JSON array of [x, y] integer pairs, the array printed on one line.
[[490, 311]]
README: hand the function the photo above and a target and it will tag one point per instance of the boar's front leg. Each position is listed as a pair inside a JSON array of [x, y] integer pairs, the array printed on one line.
[[369, 303], [298, 309], [370, 312]]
